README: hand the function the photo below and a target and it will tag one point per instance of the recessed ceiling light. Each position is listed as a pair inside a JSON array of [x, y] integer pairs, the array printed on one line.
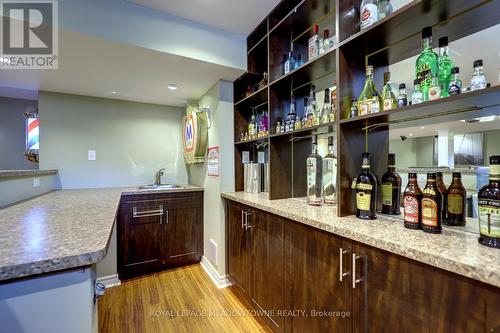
[[422, 127], [114, 92], [411, 134], [172, 87]]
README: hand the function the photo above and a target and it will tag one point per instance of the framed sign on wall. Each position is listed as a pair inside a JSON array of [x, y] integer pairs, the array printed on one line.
[[194, 135]]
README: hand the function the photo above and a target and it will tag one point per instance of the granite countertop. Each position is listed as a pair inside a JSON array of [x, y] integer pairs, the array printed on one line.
[[60, 230], [454, 250], [25, 173]]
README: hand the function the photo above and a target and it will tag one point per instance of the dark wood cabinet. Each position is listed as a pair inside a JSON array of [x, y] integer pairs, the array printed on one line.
[[139, 237], [397, 294], [158, 231], [313, 280], [268, 266], [285, 265], [183, 235], [238, 247]]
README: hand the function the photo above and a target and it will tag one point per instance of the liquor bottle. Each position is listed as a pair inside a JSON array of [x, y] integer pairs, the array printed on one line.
[[391, 189], [282, 63], [375, 103], [427, 63], [264, 81], [402, 97], [299, 61], [368, 13], [334, 102], [278, 127], [384, 9], [388, 98], [444, 66], [327, 108], [354, 108], [329, 173], [478, 80], [314, 43], [366, 99], [292, 116], [412, 201], [289, 63], [431, 206], [326, 43], [489, 207], [313, 107], [366, 191], [456, 197], [314, 163], [252, 127], [455, 86], [442, 188], [417, 96], [435, 89], [305, 115]]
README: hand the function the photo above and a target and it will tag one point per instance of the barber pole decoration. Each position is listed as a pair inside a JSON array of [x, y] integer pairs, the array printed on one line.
[[32, 136]]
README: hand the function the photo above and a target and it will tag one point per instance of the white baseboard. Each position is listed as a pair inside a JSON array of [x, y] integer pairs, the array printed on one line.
[[109, 281], [218, 280]]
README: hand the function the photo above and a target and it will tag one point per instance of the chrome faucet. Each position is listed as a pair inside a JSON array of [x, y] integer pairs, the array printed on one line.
[[159, 174]]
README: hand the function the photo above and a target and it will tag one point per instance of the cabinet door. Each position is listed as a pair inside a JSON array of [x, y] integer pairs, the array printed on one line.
[[139, 234], [313, 288], [396, 294], [238, 247], [493, 310], [183, 232], [268, 266]]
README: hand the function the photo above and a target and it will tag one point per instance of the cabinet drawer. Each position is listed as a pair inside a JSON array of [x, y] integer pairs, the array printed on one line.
[[144, 212]]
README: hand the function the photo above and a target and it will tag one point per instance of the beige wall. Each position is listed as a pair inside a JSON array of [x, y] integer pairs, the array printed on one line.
[[220, 100], [132, 141]]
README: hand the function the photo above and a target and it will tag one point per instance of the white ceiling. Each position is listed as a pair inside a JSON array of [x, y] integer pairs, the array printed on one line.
[[235, 16], [96, 67]]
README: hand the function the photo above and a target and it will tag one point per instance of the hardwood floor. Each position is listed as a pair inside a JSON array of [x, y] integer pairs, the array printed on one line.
[[173, 301]]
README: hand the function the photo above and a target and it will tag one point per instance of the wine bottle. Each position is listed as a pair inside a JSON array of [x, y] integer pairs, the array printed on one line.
[[456, 198], [391, 189]]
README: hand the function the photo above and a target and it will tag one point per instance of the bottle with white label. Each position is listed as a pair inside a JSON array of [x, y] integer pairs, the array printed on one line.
[[368, 13], [478, 80], [417, 96], [314, 163], [314, 43]]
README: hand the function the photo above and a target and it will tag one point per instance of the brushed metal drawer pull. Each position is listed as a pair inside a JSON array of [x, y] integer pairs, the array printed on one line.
[[242, 217], [147, 213], [247, 225], [342, 275], [354, 280]]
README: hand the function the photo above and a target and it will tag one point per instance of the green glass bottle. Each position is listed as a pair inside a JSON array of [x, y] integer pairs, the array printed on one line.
[[388, 97], [369, 97], [427, 63], [445, 64]]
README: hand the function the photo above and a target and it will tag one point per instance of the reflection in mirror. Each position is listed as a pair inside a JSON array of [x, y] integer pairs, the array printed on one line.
[[447, 147]]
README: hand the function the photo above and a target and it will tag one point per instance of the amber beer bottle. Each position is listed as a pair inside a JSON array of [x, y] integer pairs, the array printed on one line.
[[412, 203], [366, 191], [431, 206], [489, 207], [391, 189], [443, 190], [456, 201]]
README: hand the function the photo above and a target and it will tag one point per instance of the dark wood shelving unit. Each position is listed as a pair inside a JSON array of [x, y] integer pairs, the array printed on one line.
[[390, 40]]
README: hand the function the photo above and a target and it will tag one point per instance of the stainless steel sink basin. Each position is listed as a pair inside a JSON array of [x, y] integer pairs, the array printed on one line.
[[159, 187]]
